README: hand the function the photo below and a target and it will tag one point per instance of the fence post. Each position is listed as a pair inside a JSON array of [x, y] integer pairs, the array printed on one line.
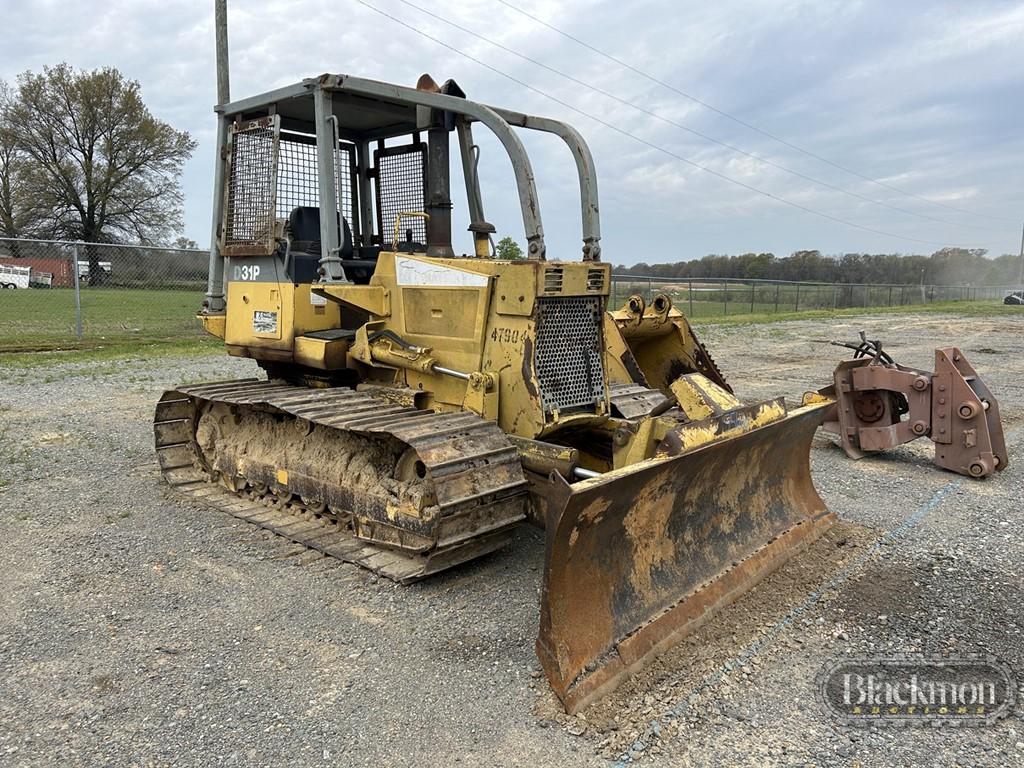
[[796, 304], [777, 296], [725, 299], [752, 298], [78, 294], [835, 297], [689, 293]]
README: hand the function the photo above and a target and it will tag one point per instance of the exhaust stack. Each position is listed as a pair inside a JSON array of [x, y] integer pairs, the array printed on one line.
[[438, 202]]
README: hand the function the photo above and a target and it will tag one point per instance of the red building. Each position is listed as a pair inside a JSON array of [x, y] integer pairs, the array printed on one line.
[[63, 277]]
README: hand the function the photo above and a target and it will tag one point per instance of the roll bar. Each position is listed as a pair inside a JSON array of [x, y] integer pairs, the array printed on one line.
[[501, 121]]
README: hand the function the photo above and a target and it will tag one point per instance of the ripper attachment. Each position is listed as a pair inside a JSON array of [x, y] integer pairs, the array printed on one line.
[[880, 404]]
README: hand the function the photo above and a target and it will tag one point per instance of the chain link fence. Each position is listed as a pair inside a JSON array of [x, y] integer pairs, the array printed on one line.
[[54, 293], [723, 297]]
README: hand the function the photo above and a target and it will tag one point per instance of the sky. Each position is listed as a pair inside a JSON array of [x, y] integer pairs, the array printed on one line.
[[925, 97]]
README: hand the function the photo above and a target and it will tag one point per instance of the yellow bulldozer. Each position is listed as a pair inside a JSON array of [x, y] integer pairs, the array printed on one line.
[[419, 404]]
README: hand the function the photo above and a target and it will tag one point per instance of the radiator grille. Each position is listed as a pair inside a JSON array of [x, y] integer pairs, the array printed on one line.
[[569, 362]]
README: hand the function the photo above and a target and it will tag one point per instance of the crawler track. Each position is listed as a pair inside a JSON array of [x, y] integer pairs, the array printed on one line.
[[466, 469]]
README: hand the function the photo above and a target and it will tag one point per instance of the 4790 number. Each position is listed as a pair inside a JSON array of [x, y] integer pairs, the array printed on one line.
[[507, 335]]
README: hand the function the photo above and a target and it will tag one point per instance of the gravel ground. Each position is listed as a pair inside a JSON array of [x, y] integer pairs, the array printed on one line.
[[135, 629]]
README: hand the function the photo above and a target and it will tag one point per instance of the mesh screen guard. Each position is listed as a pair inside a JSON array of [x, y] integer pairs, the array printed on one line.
[[249, 205], [298, 178], [401, 181], [270, 173], [568, 357]]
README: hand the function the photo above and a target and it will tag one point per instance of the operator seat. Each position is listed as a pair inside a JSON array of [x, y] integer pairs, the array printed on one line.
[[304, 257]]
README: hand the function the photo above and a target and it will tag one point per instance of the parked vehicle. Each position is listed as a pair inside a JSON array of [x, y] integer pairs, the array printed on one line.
[[83, 270], [14, 277], [1017, 297], [40, 280]]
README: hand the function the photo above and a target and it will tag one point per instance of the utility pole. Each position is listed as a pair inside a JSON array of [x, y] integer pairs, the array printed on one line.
[[214, 301], [220, 14], [1021, 280]]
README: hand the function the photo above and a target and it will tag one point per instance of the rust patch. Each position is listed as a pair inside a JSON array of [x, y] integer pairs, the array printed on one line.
[[527, 368]]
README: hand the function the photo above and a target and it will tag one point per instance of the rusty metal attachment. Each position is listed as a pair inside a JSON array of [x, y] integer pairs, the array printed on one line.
[[639, 556], [879, 404], [656, 344]]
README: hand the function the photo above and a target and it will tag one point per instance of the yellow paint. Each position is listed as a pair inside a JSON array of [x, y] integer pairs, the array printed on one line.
[[369, 298], [213, 324], [701, 398], [486, 329], [282, 476], [695, 435], [646, 527], [322, 354], [660, 343], [295, 316], [816, 398], [445, 312]]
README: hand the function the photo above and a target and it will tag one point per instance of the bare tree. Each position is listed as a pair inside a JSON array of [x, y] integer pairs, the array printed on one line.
[[100, 165]]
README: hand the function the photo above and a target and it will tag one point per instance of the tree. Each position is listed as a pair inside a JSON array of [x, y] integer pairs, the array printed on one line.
[[185, 243], [20, 213], [98, 162], [508, 249]]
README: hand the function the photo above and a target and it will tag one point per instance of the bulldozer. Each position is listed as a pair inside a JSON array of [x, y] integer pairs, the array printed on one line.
[[418, 404]]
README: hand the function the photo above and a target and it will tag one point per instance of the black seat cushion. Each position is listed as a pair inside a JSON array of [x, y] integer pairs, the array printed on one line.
[[304, 263], [304, 227]]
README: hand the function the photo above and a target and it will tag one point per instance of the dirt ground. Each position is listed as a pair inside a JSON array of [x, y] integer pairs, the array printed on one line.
[[138, 630]]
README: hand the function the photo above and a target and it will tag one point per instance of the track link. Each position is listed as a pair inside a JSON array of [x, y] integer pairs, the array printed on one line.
[[475, 475]]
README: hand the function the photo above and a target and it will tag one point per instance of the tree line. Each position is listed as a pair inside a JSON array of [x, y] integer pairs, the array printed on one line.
[[947, 266]]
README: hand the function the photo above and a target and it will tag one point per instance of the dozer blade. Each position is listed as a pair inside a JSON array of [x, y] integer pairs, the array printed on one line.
[[640, 556]]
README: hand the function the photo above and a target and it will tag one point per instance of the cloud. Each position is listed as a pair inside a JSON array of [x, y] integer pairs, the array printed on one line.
[[922, 95]]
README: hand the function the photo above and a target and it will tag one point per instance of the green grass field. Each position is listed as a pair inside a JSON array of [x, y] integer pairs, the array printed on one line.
[[45, 319]]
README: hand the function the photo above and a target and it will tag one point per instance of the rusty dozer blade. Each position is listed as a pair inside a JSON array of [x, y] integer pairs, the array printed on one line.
[[640, 556]]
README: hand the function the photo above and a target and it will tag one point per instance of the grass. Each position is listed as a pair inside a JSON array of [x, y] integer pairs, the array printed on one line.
[[714, 300], [116, 350], [987, 308], [45, 319]]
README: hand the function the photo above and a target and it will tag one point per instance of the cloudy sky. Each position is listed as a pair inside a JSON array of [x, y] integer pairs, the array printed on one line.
[[924, 96]]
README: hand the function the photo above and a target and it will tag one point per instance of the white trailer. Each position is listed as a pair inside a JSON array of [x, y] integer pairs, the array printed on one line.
[[40, 280], [14, 277], [83, 269]]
